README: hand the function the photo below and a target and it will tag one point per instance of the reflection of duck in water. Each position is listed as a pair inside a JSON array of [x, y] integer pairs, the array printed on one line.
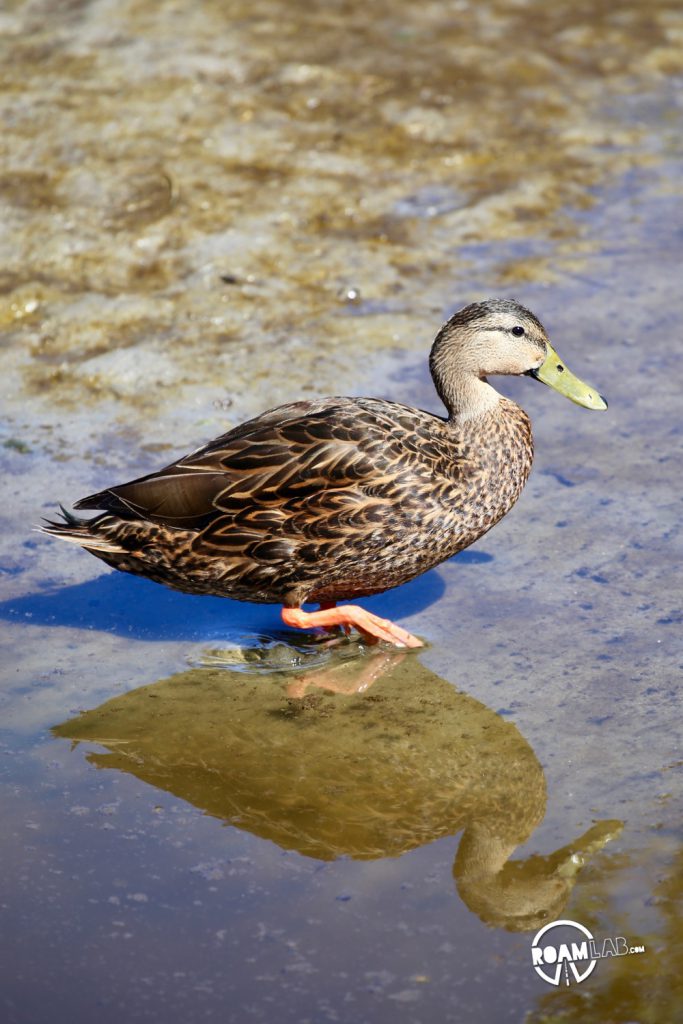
[[366, 775]]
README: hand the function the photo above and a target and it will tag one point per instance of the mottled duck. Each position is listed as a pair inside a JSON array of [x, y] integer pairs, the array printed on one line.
[[338, 498]]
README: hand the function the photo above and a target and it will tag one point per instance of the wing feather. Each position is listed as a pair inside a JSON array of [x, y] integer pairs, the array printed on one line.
[[286, 485], [298, 455]]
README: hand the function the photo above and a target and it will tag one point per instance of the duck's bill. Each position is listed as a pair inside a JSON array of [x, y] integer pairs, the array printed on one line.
[[555, 374]]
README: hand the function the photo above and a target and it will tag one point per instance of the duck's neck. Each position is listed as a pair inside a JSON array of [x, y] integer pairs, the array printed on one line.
[[482, 853], [467, 397], [461, 387]]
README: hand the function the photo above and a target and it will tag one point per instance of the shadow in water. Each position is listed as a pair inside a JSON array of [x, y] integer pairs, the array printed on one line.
[[119, 603], [365, 758]]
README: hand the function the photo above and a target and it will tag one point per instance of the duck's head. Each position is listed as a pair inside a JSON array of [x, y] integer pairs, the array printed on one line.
[[500, 336]]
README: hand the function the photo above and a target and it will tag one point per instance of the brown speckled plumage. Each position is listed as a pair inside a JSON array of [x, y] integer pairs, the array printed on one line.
[[335, 498]]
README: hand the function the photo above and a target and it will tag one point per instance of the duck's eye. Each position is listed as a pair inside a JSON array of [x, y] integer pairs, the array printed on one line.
[[518, 331]]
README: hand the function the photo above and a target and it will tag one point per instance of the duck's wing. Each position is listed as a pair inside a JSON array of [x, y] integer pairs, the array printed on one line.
[[335, 459]]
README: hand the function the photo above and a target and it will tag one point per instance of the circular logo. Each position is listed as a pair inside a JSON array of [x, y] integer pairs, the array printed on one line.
[[561, 949]]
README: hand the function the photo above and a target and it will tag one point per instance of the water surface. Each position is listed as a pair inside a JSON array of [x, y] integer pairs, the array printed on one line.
[[209, 210]]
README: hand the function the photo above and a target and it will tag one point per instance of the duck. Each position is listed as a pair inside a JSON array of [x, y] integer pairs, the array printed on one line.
[[334, 499]]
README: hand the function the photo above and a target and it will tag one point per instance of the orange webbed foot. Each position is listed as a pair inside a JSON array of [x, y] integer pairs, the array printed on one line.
[[372, 627]]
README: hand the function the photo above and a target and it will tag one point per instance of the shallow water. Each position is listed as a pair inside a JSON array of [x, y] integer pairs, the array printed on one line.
[[208, 211]]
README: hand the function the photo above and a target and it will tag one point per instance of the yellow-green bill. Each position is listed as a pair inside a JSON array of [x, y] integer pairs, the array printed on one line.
[[555, 374]]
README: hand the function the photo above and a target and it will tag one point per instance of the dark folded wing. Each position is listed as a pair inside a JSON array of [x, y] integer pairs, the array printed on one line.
[[305, 462]]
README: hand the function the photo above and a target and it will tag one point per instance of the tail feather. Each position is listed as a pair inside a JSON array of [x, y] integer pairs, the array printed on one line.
[[71, 519], [79, 531]]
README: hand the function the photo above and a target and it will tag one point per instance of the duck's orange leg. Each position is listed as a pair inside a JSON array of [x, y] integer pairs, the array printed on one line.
[[345, 615]]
